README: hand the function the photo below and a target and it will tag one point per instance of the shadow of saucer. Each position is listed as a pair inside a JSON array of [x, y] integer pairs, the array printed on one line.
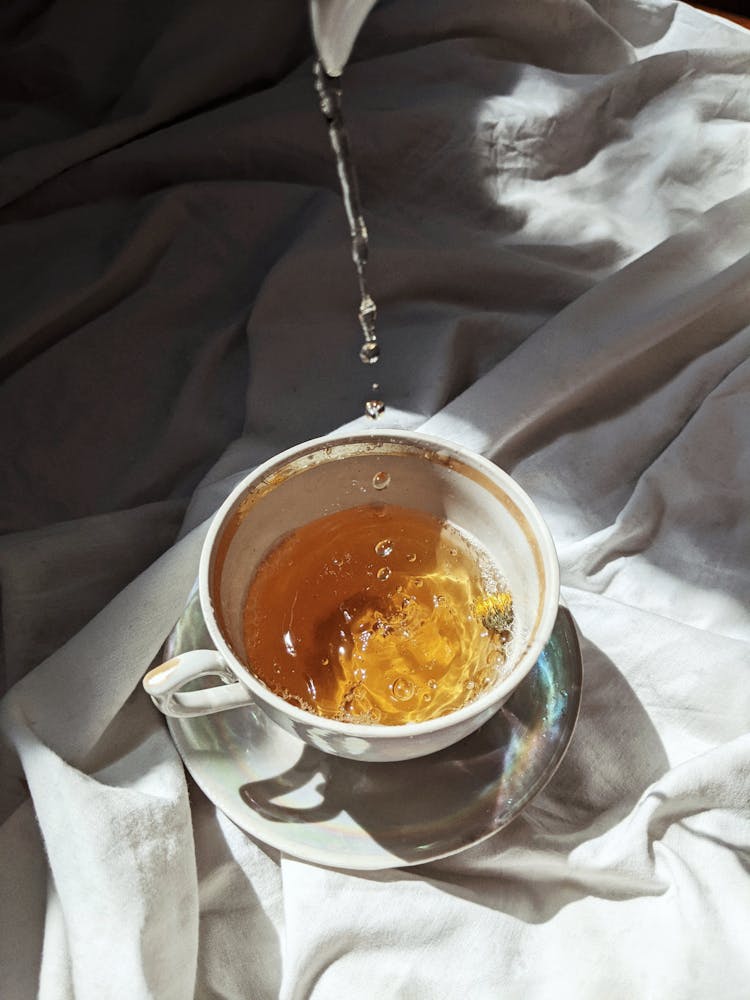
[[615, 756]]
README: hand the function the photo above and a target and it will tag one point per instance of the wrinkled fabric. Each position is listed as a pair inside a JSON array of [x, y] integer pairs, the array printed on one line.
[[558, 206]]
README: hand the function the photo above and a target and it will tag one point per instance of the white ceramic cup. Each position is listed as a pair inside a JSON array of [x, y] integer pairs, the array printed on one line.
[[327, 475]]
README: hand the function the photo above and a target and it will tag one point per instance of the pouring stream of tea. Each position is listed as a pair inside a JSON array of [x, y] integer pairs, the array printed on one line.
[[329, 95]]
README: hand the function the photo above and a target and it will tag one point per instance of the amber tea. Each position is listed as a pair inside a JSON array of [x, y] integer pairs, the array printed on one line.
[[377, 614]]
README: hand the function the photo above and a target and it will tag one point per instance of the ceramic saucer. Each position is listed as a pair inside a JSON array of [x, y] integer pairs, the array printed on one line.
[[356, 815]]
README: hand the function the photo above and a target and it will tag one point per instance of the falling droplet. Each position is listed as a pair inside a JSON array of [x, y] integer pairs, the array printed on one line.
[[374, 407], [381, 480], [383, 573], [369, 352], [384, 547], [375, 386]]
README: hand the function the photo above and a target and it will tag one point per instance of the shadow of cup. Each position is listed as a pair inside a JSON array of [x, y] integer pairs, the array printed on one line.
[[456, 796]]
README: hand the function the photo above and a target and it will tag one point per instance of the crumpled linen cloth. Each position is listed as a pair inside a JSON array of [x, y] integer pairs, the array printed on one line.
[[557, 198]]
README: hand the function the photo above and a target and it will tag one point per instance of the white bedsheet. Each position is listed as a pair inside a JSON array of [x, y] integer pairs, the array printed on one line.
[[557, 197]]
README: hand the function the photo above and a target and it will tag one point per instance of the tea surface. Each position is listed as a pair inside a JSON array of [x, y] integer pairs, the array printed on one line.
[[376, 614]]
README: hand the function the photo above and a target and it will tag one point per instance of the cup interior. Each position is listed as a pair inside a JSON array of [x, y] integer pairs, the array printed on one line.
[[330, 476]]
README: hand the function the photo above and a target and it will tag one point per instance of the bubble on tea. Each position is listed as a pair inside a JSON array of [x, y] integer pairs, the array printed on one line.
[[402, 689], [411, 557], [381, 480], [485, 678], [384, 547], [383, 574]]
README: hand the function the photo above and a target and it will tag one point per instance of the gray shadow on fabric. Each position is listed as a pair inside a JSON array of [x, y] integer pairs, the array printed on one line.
[[627, 383], [222, 881], [615, 755], [675, 811]]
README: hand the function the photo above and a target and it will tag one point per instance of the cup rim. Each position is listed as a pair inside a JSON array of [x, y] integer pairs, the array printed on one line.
[[495, 696]]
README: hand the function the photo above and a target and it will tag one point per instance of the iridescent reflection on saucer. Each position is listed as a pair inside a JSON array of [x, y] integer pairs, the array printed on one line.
[[354, 815]]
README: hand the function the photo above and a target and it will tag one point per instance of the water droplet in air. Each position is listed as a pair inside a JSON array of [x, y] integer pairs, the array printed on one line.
[[374, 407], [381, 480], [375, 386], [383, 573], [369, 352], [402, 689], [384, 547]]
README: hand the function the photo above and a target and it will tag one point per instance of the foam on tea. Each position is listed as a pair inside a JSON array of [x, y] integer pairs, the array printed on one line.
[[378, 614]]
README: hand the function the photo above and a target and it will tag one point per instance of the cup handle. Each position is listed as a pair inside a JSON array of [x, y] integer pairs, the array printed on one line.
[[164, 684]]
